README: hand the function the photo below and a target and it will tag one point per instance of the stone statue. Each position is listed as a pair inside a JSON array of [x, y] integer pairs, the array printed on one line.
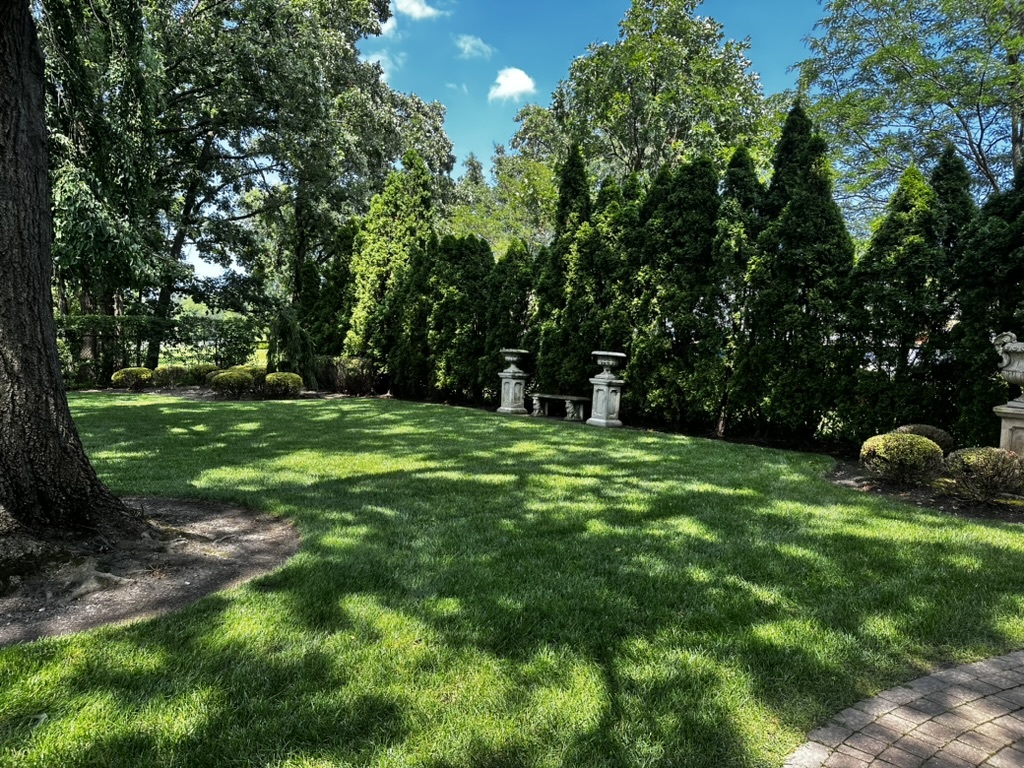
[[1011, 368]]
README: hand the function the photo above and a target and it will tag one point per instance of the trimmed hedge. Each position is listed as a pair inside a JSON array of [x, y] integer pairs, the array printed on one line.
[[198, 374], [170, 375], [986, 472], [259, 377], [283, 384], [902, 458], [135, 379], [940, 437], [232, 384]]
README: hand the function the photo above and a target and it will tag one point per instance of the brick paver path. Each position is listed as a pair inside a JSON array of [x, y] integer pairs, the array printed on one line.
[[965, 717]]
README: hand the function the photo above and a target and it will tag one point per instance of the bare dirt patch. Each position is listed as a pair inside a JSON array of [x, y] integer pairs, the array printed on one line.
[[191, 549]]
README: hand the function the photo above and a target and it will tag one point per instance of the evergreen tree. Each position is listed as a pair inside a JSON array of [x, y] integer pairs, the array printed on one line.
[[399, 225], [508, 291], [675, 369], [794, 364], [738, 227], [549, 332], [988, 286], [899, 314], [456, 325]]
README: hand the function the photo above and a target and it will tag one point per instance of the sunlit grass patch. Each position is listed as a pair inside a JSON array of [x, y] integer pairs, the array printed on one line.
[[478, 590]]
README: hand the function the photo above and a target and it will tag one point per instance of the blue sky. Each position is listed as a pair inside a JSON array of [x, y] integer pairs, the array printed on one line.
[[483, 59]]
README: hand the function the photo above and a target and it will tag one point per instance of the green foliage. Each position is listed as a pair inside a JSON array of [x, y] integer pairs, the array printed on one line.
[[135, 379], [905, 459], [289, 347], [199, 372], [283, 385], [985, 473], [940, 437], [232, 384], [795, 362], [399, 225], [507, 305], [170, 375], [259, 377], [899, 314], [676, 370], [895, 82], [988, 280], [669, 87], [355, 376]]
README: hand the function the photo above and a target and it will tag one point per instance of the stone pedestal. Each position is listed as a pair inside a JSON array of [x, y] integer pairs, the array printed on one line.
[[604, 410], [513, 383], [1011, 435]]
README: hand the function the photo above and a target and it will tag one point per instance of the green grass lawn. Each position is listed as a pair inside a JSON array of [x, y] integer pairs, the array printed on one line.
[[477, 590]]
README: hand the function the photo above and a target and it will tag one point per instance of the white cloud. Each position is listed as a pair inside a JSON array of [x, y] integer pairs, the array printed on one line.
[[512, 83], [387, 29], [389, 62], [457, 87], [471, 47], [418, 9]]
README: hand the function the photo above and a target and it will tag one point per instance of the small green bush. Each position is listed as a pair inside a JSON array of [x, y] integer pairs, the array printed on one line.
[[902, 458], [135, 379], [198, 373], [283, 384], [259, 377], [170, 375], [232, 384], [940, 437], [211, 375], [984, 473]]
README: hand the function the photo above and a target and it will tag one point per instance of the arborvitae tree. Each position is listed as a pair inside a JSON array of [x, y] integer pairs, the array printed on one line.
[[508, 291], [794, 364], [328, 308], [675, 370], [548, 333], [989, 280], [399, 224], [456, 325], [898, 314], [408, 357], [738, 227]]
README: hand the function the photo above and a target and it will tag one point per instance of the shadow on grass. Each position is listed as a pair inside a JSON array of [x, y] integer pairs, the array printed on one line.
[[482, 591]]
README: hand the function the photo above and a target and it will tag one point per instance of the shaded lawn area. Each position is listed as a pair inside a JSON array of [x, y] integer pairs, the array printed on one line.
[[478, 590]]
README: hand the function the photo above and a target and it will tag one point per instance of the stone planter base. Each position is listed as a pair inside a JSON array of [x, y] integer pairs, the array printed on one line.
[[1011, 436]]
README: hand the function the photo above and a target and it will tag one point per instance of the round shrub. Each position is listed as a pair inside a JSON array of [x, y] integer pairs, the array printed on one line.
[[940, 437], [135, 379], [902, 458], [984, 473], [259, 377], [283, 384], [197, 373], [231, 384], [211, 375], [169, 375]]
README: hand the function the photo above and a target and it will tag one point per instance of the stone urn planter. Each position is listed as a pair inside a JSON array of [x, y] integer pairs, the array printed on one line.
[[513, 382], [607, 390], [1011, 368]]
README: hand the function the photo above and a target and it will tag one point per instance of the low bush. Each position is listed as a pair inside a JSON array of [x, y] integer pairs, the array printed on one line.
[[211, 375], [984, 473], [283, 384], [135, 379], [902, 458], [259, 377], [232, 384], [198, 373], [940, 437], [170, 375]]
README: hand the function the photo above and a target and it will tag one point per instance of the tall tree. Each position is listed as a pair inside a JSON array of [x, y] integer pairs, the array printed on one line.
[[896, 80], [795, 364], [668, 88], [46, 480], [900, 314]]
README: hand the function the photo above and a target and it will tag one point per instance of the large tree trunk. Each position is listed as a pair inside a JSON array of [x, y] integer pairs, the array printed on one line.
[[46, 481]]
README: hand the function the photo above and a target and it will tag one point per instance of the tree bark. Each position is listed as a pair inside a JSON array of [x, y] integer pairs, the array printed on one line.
[[46, 481]]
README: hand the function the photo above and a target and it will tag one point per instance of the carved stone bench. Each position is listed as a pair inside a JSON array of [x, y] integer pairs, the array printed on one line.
[[574, 406]]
